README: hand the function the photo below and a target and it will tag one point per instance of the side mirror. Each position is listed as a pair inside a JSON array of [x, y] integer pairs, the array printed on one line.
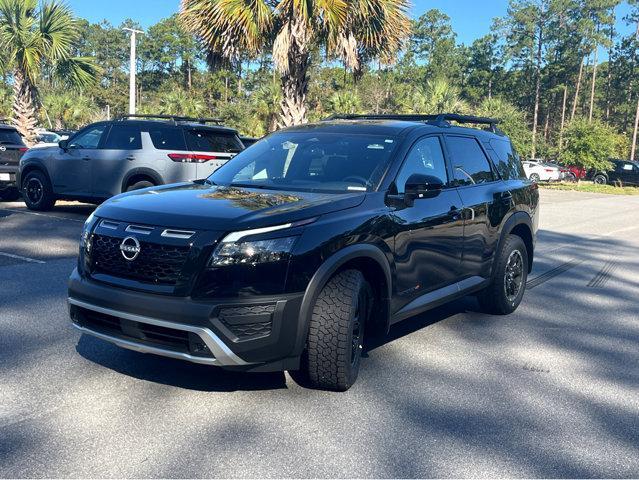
[[422, 186], [63, 144]]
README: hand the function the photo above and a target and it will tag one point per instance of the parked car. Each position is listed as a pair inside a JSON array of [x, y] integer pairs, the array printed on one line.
[[564, 172], [12, 147], [292, 253], [576, 173], [624, 172], [138, 151], [248, 141], [47, 139], [540, 172]]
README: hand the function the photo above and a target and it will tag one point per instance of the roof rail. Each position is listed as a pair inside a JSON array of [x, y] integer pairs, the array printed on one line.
[[173, 118], [441, 119]]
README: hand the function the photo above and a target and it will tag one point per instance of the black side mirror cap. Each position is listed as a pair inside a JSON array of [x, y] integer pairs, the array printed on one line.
[[63, 144], [419, 185]]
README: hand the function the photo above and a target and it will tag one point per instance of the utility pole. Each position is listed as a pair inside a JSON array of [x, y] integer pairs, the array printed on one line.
[[132, 68]]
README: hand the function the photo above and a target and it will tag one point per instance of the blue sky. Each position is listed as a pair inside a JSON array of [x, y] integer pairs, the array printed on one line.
[[470, 18]]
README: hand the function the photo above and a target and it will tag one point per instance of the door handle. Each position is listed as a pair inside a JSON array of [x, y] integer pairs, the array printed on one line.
[[130, 158], [86, 159], [455, 213]]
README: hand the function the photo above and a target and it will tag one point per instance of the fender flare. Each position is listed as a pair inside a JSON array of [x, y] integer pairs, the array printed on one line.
[[30, 165], [155, 176], [517, 218], [326, 271]]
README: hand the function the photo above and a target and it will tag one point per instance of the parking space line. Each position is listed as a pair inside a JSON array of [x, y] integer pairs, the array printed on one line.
[[42, 215], [20, 257]]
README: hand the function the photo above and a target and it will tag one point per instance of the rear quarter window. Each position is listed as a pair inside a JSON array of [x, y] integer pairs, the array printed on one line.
[[203, 140], [506, 160], [167, 138]]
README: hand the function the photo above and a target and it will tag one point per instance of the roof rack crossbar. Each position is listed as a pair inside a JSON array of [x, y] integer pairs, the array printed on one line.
[[442, 119], [173, 118]]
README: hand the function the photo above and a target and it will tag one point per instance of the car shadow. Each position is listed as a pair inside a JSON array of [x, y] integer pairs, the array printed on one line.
[[176, 373]]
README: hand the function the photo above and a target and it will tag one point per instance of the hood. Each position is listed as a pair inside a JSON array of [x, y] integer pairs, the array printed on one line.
[[207, 207]]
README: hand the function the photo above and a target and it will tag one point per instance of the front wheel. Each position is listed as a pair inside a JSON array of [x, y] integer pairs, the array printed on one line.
[[534, 177], [336, 331], [37, 192], [506, 289]]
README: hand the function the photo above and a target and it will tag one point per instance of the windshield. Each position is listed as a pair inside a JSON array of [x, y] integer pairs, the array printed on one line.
[[310, 161]]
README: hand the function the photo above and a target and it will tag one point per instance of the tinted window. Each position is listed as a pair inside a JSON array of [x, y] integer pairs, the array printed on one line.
[[426, 157], [10, 137], [506, 160], [124, 137], [469, 162], [310, 161], [167, 138], [89, 138], [203, 140]]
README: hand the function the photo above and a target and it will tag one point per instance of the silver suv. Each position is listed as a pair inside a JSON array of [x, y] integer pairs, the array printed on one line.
[[138, 151]]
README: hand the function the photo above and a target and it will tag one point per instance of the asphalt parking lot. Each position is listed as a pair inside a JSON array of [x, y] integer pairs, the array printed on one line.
[[551, 390]]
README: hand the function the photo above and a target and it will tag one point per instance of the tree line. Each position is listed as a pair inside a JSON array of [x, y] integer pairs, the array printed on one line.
[[556, 72]]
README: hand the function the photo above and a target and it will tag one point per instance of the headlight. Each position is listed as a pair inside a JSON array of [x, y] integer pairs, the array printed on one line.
[[250, 253], [86, 232]]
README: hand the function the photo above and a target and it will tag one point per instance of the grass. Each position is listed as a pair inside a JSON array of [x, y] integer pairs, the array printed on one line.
[[590, 187]]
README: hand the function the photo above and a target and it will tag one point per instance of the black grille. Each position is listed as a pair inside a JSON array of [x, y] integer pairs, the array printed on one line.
[[153, 335], [248, 321], [157, 264]]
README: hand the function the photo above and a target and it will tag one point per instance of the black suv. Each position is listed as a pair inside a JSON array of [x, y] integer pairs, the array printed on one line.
[[317, 235], [11, 149], [624, 172]]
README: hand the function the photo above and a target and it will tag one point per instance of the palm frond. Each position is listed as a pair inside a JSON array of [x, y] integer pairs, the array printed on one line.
[[77, 71], [229, 27], [58, 30]]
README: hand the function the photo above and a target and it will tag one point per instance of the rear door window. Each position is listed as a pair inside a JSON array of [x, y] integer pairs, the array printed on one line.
[[124, 137], [469, 161], [204, 140], [167, 138]]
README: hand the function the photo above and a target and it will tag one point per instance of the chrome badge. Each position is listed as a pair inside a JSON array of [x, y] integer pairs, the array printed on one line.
[[130, 248]]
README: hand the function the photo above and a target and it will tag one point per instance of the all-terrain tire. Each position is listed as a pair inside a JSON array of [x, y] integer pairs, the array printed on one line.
[[336, 331], [498, 298], [37, 192]]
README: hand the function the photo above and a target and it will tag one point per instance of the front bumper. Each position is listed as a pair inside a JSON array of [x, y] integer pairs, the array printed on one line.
[[257, 334]]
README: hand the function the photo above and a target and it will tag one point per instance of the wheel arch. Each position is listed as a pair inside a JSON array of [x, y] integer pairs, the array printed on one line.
[[520, 224], [367, 258], [141, 173], [30, 167]]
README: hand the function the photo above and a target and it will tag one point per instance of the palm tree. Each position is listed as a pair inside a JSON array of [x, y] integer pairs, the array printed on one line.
[[438, 96], [39, 40], [351, 31]]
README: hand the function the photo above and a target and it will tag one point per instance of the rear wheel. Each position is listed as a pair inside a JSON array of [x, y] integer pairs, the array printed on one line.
[[140, 184], [508, 284], [600, 179], [37, 191], [535, 177], [336, 332], [10, 194]]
